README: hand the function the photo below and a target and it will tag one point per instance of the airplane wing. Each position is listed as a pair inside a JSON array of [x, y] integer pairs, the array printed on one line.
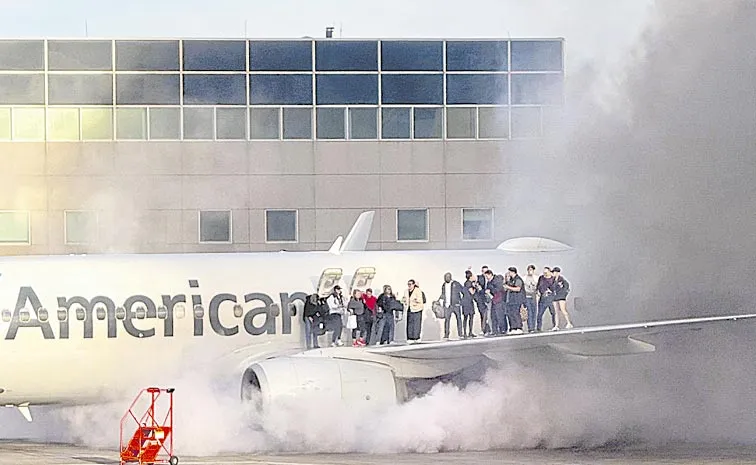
[[597, 341]]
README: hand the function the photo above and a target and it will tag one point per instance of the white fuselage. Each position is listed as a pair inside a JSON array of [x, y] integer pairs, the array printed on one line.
[[127, 341]]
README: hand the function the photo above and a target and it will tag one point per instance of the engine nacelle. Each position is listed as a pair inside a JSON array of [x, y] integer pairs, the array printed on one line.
[[326, 379]]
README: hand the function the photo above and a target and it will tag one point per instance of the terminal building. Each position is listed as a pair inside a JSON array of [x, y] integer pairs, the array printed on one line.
[[163, 146]]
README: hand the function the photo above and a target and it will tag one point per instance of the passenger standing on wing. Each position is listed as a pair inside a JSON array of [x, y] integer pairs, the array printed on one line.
[[483, 301], [531, 289], [561, 289], [336, 311], [370, 304], [468, 307], [414, 301], [451, 302], [311, 317], [545, 299], [357, 308], [384, 317], [495, 289], [515, 299]]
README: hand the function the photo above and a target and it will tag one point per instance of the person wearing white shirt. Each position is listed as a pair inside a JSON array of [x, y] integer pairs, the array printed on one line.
[[531, 289]]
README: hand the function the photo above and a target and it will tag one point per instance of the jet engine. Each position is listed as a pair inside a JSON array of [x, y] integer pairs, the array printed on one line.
[[316, 379]]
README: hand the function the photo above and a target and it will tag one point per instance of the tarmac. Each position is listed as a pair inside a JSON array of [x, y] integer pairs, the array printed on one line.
[[23, 453]]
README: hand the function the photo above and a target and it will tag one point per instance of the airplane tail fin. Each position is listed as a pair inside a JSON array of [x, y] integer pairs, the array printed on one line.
[[357, 239], [336, 247]]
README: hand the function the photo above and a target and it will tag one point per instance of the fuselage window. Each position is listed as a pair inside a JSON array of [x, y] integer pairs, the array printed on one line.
[[24, 316], [101, 313], [179, 311], [81, 315], [162, 312], [199, 312], [62, 314], [7, 316], [120, 313], [141, 312], [43, 315]]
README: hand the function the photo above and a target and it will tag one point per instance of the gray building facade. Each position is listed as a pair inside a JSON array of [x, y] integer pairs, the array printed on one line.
[[246, 145]]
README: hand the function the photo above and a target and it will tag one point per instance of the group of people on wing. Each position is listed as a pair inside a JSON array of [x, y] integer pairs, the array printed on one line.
[[501, 300]]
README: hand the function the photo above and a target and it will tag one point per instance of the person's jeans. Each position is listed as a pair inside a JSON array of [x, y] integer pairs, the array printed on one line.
[[513, 315], [530, 304], [543, 304], [311, 333], [335, 324]]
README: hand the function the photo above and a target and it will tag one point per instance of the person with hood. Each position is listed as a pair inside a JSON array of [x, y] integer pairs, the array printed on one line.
[[451, 302], [312, 319], [356, 309], [336, 312], [386, 304], [414, 301]]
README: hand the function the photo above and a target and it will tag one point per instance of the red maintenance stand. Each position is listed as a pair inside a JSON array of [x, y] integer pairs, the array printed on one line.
[[152, 440]]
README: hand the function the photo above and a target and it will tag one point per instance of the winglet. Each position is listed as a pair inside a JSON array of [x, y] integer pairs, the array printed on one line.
[[24, 409], [357, 239], [336, 247]]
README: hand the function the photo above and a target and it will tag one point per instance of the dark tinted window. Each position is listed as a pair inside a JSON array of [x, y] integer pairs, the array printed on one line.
[[215, 55], [336, 55], [281, 225], [147, 55], [80, 89], [147, 89], [412, 56], [297, 123], [215, 226], [76, 55], [22, 55], [537, 89], [428, 123], [412, 89], [280, 89], [476, 89], [22, 89], [537, 55], [280, 55], [481, 55], [335, 89], [212, 89]]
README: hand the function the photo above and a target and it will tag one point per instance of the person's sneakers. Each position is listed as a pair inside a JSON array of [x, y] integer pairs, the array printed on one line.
[[446, 339], [516, 331], [569, 326], [555, 328], [338, 343]]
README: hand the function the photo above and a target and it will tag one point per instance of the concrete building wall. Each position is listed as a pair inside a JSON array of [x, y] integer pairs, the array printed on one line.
[[147, 195]]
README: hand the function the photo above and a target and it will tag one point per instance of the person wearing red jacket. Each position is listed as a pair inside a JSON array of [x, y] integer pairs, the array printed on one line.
[[370, 302]]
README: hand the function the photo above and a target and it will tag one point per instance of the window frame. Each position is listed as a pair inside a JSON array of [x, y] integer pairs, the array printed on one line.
[[96, 223], [462, 224], [28, 229], [296, 225], [427, 225], [230, 226]]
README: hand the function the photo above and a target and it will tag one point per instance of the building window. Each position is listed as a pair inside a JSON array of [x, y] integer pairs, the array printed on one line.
[[231, 123], [477, 224], [494, 122], [537, 55], [330, 123], [131, 123], [480, 55], [198, 123], [15, 227], [215, 55], [63, 124], [165, 123], [477, 89], [412, 225], [280, 89], [395, 123], [80, 227], [22, 55], [280, 55], [28, 123], [215, 89], [79, 55], [215, 226], [412, 55], [158, 55], [428, 123], [148, 89], [537, 89], [281, 226], [297, 123], [363, 123], [408, 89], [22, 89], [96, 124], [461, 123], [80, 89], [264, 123], [5, 124], [343, 55], [347, 89]]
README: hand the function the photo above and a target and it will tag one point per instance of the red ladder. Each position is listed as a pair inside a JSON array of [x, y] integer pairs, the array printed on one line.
[[152, 441]]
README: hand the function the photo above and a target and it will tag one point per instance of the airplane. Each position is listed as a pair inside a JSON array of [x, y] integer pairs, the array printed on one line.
[[84, 329]]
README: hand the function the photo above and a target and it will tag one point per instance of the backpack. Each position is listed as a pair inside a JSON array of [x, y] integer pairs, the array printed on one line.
[[423, 293]]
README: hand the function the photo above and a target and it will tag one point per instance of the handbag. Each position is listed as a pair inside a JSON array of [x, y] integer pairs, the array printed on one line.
[[351, 321], [438, 310]]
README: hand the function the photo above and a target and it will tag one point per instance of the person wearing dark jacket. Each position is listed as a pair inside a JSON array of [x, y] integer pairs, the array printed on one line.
[[561, 289], [483, 301], [386, 305], [311, 314], [495, 289], [514, 300], [545, 291], [451, 302], [468, 307], [356, 307]]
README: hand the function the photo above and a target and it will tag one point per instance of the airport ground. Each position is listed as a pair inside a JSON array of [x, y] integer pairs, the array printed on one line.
[[29, 453]]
